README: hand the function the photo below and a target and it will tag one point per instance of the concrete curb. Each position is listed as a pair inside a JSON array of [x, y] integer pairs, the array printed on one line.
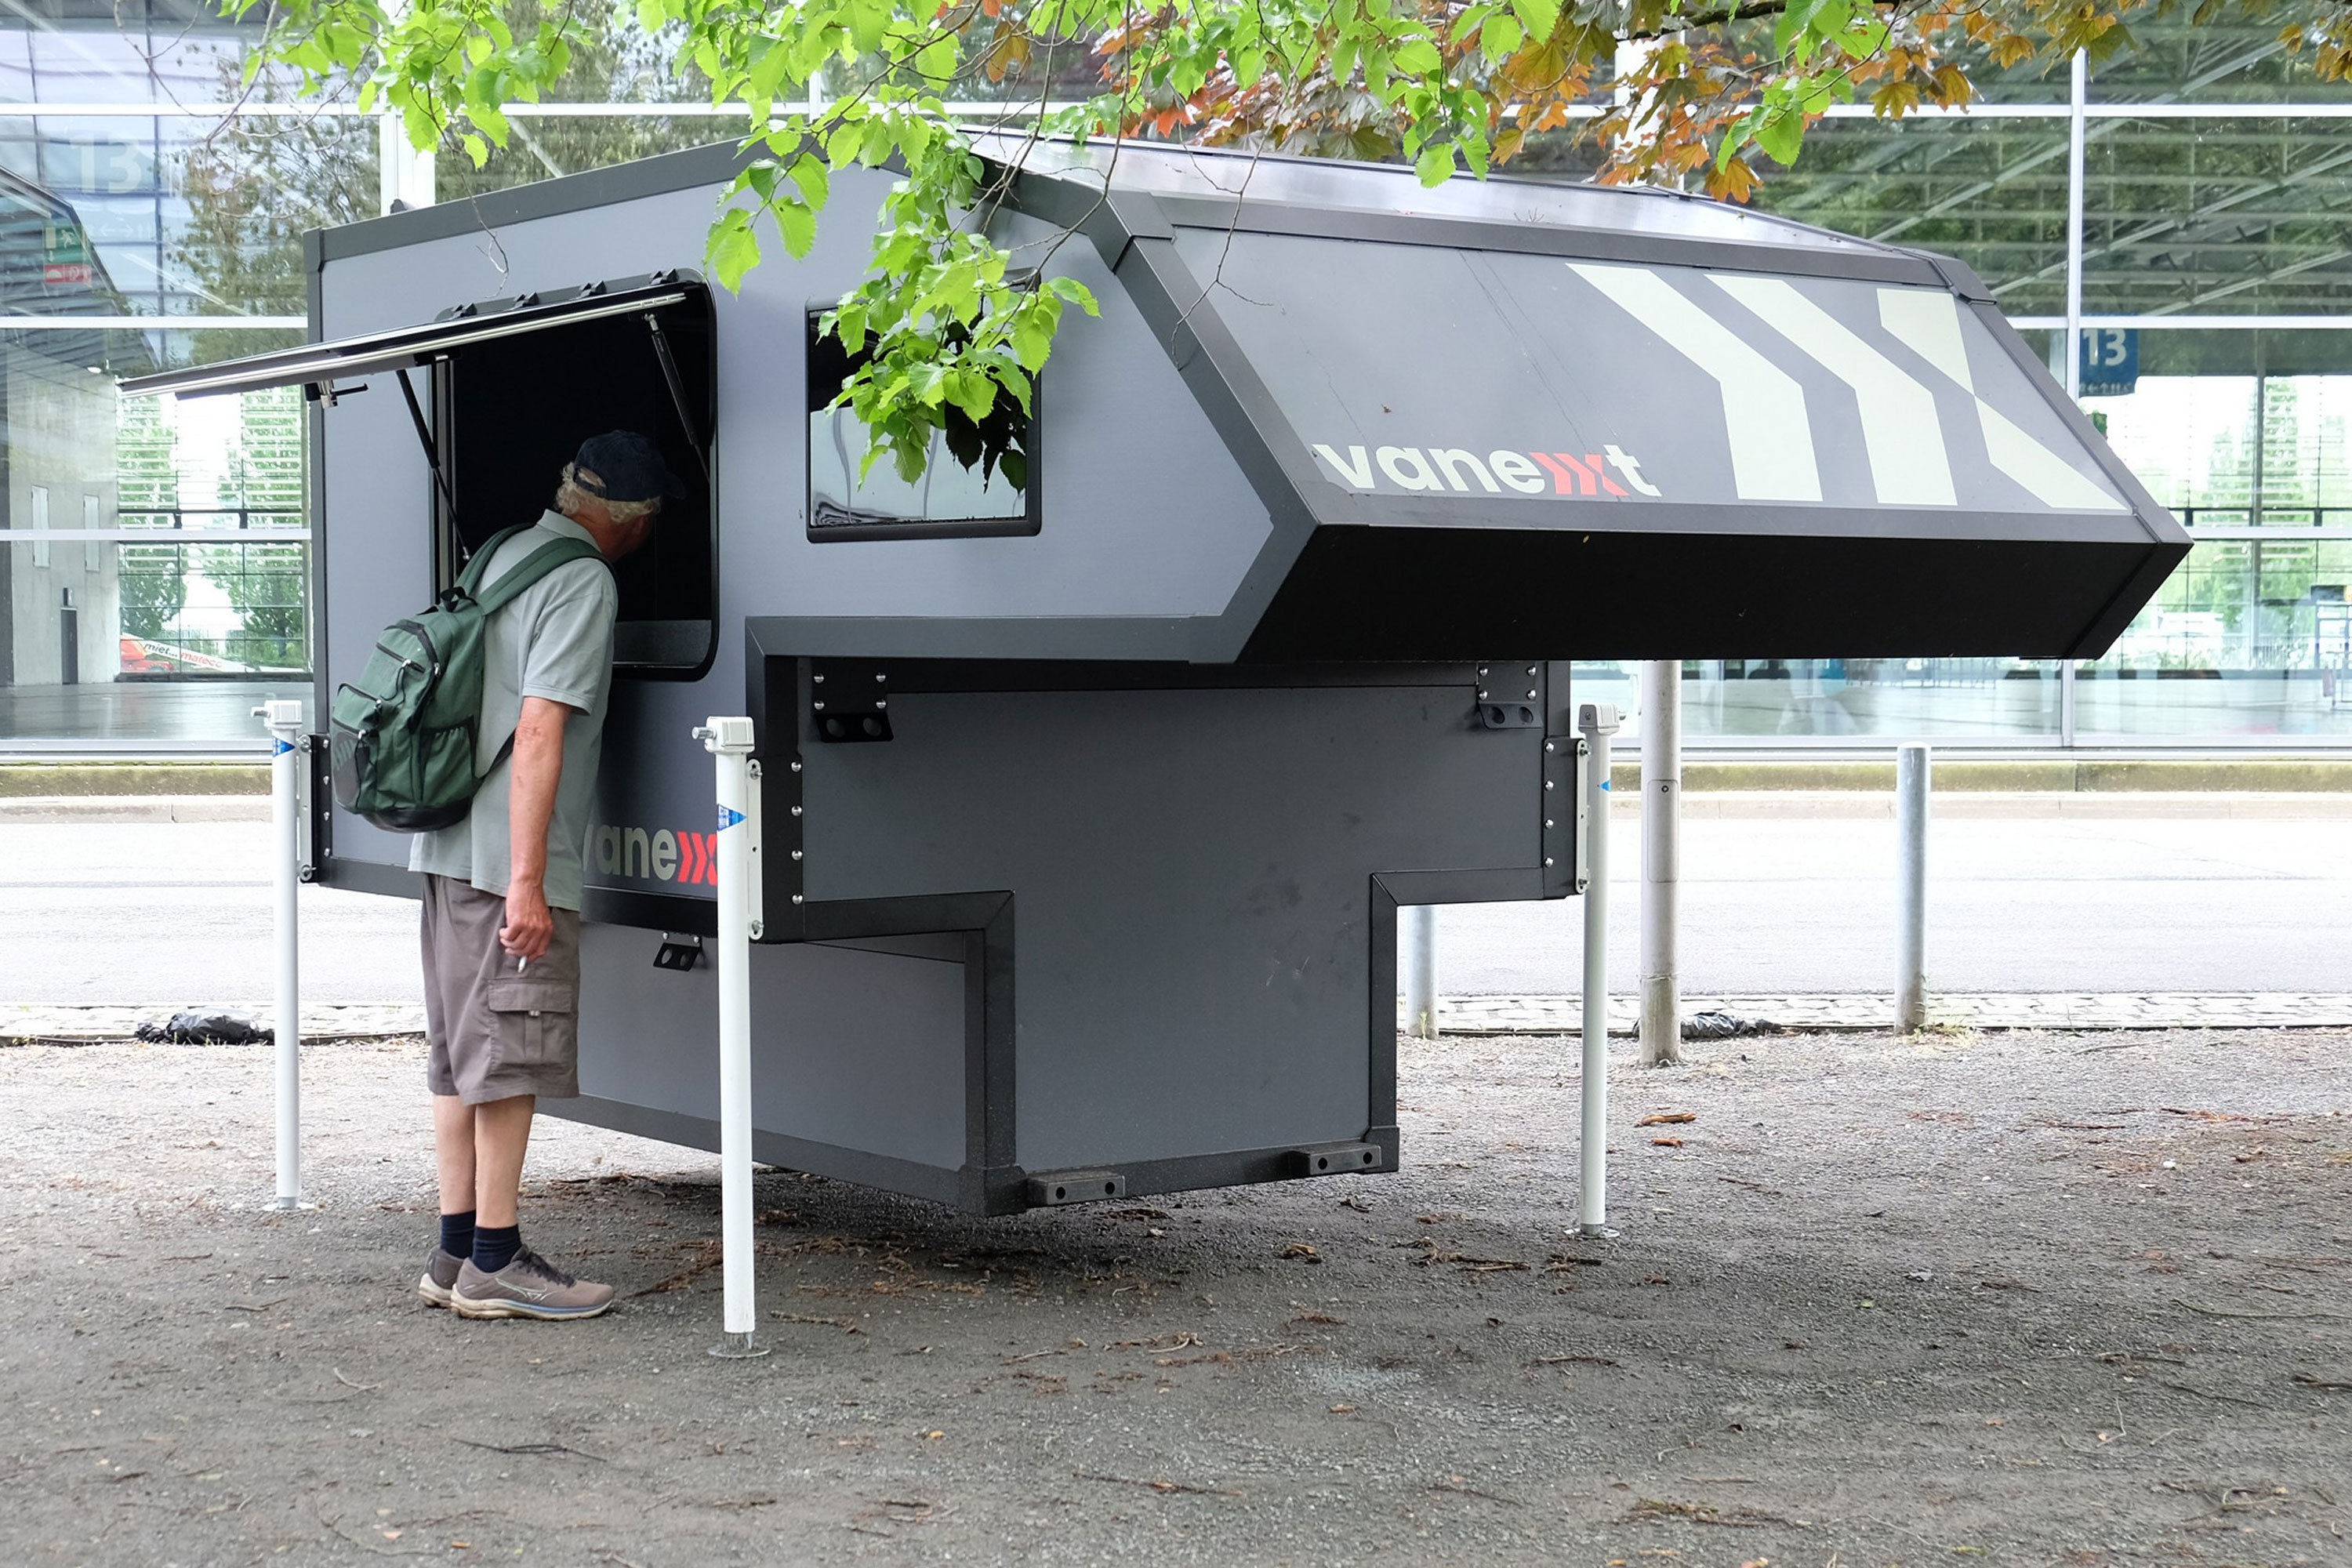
[[64, 1026], [50, 809], [1962, 774], [1862, 1013], [147, 779], [1471, 1016]]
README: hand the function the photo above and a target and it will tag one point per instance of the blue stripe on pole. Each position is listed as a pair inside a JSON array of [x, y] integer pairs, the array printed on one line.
[[279, 747], [728, 817]]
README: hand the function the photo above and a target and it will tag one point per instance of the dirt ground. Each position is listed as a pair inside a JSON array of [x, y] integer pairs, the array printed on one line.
[[2009, 1298]]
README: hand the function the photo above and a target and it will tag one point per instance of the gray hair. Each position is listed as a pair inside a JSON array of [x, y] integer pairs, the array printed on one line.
[[570, 495]]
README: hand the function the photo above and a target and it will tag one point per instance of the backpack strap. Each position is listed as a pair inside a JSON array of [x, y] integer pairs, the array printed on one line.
[[469, 581], [546, 558]]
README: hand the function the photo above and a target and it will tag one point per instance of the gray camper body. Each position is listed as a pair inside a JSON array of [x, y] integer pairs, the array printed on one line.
[[1085, 826]]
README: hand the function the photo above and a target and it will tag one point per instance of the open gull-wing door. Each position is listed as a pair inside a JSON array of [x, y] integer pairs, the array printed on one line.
[[319, 365], [514, 386], [1562, 423]]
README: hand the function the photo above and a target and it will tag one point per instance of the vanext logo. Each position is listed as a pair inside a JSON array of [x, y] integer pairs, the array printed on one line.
[[658, 856], [1459, 470]]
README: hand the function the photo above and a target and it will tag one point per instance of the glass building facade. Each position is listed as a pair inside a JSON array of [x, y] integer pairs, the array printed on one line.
[[152, 554]]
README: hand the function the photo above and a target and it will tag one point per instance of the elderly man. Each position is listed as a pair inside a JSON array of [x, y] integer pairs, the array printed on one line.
[[501, 927]]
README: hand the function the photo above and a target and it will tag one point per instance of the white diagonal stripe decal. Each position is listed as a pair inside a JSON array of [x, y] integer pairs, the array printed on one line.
[[2053, 480], [1763, 406], [1927, 322], [1900, 427]]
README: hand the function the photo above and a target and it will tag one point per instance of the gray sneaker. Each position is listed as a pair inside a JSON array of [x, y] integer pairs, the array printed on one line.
[[440, 1274], [528, 1287]]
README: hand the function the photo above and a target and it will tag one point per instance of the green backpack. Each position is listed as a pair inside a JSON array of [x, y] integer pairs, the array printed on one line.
[[402, 738]]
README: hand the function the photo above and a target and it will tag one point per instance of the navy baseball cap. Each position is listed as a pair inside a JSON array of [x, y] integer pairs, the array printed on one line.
[[621, 465]]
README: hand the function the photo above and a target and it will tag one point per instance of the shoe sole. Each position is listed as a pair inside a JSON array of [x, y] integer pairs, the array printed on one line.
[[486, 1310], [432, 1295]]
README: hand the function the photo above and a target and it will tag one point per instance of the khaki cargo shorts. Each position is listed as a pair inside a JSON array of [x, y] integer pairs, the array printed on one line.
[[495, 1030]]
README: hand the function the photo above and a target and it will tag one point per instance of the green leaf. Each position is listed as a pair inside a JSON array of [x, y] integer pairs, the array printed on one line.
[[475, 148], [809, 174], [1780, 132], [1537, 16], [1030, 345], [1435, 163], [1417, 56], [1075, 293], [733, 249], [797, 224]]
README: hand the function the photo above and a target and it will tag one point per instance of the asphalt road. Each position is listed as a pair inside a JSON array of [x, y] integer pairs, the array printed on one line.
[[179, 914]]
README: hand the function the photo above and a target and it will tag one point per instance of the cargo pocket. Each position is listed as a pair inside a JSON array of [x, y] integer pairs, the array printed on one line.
[[539, 1023]]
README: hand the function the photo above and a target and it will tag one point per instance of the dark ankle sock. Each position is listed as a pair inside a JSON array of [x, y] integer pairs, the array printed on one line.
[[495, 1245], [458, 1234]]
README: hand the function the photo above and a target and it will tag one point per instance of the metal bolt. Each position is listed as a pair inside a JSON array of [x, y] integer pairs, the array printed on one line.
[[1482, 694], [796, 767], [820, 707], [1531, 669], [1546, 860], [796, 898], [796, 811], [758, 930], [879, 675], [820, 680], [880, 704], [1549, 746], [1482, 672], [796, 853], [1546, 783], [1531, 696]]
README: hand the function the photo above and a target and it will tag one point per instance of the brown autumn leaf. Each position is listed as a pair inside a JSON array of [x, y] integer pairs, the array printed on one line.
[[1667, 1118]]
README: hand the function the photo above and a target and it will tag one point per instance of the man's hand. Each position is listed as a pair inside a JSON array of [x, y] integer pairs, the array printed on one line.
[[528, 927]]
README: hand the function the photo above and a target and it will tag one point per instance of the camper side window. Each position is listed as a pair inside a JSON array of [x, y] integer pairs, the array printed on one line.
[[980, 478]]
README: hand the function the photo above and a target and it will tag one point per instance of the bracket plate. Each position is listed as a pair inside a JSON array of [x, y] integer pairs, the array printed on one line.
[[850, 702], [1060, 1187], [1335, 1158]]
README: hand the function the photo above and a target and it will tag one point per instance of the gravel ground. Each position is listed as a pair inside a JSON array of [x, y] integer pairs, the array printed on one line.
[[2025, 1298]]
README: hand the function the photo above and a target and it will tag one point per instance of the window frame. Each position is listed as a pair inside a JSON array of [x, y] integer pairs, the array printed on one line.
[[1027, 525]]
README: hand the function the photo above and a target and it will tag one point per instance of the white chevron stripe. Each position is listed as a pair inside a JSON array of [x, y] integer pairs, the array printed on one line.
[[2053, 480], [1763, 406], [1900, 427], [1927, 321]]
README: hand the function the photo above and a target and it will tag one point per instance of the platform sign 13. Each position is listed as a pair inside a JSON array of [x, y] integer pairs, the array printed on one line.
[[2110, 360]]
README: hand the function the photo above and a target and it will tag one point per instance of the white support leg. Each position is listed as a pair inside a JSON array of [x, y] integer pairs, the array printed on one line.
[[1417, 959], [1911, 788], [284, 722], [1662, 829], [1596, 721], [730, 741]]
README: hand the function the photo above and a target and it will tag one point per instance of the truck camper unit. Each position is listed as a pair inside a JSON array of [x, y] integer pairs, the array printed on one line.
[[1088, 801]]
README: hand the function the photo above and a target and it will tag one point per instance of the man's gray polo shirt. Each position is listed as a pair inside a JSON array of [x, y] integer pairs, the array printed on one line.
[[555, 640]]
